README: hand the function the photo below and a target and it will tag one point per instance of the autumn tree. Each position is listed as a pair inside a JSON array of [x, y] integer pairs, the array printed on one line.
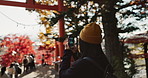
[[16, 47]]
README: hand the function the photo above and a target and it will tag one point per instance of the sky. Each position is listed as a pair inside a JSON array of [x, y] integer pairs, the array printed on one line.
[[18, 20]]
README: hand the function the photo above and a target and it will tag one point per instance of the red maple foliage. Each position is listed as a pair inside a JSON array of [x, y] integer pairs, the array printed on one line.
[[16, 48]]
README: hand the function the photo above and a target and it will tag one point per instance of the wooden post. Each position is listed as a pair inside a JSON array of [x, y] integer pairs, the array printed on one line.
[[61, 28], [56, 54], [146, 59]]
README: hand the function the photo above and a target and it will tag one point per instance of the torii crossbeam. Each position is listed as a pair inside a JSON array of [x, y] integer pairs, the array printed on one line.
[[29, 4]]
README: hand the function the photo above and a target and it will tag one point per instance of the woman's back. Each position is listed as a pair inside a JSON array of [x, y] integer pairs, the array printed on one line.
[[82, 68]]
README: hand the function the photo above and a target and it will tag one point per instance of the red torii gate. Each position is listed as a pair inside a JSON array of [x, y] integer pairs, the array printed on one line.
[[140, 38], [31, 4]]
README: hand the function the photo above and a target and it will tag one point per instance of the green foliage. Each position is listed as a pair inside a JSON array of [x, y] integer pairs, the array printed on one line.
[[129, 63], [55, 19], [129, 28], [80, 15], [119, 72], [132, 9]]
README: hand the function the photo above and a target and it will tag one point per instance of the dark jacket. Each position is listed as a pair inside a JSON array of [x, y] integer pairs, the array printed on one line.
[[3, 69], [81, 68]]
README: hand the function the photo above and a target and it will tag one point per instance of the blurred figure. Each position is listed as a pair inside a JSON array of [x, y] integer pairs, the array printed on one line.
[[17, 69], [43, 60], [32, 64], [11, 71], [29, 59], [3, 69], [25, 63]]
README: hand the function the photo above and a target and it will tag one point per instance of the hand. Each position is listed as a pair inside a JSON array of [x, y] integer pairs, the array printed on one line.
[[73, 48], [66, 44]]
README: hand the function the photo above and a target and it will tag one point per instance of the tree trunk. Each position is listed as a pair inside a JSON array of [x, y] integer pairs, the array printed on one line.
[[112, 44]]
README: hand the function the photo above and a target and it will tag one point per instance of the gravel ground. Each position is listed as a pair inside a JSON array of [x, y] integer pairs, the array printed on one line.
[[41, 72]]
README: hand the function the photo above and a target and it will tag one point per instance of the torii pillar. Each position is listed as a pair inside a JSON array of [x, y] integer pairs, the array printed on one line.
[[61, 28]]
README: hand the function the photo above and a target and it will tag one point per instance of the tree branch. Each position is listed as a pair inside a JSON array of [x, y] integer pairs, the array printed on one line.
[[131, 4], [124, 6]]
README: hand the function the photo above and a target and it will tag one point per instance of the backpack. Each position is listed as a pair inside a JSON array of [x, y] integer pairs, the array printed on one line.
[[18, 69], [107, 74], [25, 61], [30, 59]]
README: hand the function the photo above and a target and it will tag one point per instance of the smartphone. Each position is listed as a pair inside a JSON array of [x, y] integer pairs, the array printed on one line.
[[71, 41]]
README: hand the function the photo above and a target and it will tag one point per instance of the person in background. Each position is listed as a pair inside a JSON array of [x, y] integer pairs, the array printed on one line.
[[3, 69], [30, 60], [17, 69], [43, 60], [11, 71], [25, 63], [33, 61], [3, 72], [89, 46]]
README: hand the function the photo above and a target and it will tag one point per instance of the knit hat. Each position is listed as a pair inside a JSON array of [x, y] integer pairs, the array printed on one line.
[[91, 33]]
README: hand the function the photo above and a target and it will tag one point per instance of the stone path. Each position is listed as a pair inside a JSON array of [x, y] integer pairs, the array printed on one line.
[[41, 72]]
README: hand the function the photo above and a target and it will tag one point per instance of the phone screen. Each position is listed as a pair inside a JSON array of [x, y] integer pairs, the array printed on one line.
[[71, 41]]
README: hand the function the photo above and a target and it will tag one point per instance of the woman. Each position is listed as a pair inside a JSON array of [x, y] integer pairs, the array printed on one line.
[[90, 46], [25, 63], [43, 60]]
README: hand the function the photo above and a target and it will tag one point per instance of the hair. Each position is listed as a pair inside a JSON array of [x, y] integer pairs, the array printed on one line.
[[90, 50], [93, 51], [25, 56], [11, 65]]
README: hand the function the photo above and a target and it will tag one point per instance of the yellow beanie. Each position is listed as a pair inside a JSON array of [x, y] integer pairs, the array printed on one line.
[[91, 33]]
